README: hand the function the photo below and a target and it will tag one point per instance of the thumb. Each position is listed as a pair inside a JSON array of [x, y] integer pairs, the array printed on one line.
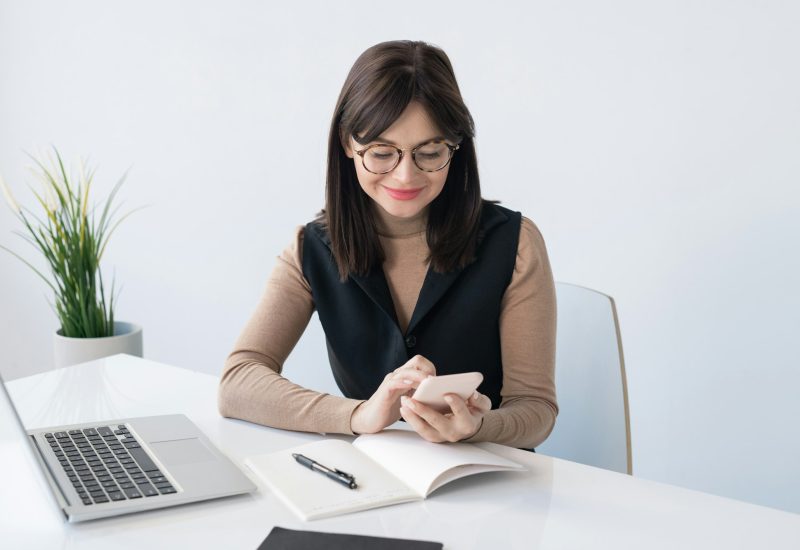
[[480, 402]]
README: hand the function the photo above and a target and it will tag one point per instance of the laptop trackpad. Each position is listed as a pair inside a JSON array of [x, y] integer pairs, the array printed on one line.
[[182, 451]]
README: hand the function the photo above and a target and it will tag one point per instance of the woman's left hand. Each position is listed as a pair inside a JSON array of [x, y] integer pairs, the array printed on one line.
[[463, 422]]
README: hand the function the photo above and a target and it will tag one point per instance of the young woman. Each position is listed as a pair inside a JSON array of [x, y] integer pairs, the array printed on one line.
[[412, 274]]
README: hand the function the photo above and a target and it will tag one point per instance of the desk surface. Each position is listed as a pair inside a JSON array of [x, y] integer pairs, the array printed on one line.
[[556, 504]]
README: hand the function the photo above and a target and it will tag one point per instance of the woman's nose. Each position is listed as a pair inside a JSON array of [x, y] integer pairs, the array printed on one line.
[[405, 171]]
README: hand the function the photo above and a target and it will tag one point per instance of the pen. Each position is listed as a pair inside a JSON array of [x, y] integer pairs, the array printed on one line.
[[336, 475]]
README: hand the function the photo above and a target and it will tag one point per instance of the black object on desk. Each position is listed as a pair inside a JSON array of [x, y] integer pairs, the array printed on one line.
[[288, 539], [336, 475]]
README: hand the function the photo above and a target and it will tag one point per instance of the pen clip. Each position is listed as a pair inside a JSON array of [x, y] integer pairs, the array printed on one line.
[[344, 474]]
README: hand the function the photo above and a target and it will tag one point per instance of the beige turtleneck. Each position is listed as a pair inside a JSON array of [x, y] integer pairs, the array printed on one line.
[[252, 388]]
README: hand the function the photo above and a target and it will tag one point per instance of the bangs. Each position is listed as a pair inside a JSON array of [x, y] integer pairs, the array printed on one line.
[[375, 111]]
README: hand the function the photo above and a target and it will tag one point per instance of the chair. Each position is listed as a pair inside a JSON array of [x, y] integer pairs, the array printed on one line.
[[593, 424]]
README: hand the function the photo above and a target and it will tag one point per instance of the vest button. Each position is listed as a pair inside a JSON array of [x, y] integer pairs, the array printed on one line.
[[411, 341]]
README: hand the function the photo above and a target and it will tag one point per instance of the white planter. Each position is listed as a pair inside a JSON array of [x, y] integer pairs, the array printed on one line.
[[70, 351]]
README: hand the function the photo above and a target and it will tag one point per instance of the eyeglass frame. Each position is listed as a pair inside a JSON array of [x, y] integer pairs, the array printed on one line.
[[451, 148]]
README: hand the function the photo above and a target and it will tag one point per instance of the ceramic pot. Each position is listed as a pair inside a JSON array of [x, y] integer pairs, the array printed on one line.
[[70, 351]]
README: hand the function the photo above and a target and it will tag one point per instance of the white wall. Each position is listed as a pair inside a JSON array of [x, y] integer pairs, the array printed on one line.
[[655, 145]]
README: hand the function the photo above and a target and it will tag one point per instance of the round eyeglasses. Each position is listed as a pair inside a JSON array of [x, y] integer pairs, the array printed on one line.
[[430, 156]]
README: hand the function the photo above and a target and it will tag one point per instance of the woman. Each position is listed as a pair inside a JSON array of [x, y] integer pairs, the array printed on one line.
[[412, 274]]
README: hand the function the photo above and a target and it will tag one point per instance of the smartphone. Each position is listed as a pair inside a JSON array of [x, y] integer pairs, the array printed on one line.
[[431, 391]]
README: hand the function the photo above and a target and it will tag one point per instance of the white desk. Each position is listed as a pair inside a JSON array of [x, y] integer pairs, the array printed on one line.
[[557, 504]]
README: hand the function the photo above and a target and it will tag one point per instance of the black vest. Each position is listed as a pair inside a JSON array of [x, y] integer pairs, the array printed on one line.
[[455, 323]]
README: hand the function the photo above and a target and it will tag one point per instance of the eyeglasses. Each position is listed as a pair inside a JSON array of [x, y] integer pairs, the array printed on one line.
[[430, 156]]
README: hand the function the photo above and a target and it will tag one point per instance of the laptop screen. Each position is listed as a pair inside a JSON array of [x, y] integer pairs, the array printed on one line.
[[15, 442]]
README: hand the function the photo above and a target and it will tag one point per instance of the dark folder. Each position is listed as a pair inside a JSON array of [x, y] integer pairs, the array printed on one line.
[[288, 539]]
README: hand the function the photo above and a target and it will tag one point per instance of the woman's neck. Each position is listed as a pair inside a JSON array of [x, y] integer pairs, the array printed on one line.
[[394, 226]]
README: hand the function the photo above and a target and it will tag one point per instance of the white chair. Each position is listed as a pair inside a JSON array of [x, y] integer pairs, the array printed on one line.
[[593, 424]]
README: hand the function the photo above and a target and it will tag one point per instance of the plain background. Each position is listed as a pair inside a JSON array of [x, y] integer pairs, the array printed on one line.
[[654, 144]]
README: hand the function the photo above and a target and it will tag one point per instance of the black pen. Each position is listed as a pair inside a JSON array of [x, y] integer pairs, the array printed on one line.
[[337, 475]]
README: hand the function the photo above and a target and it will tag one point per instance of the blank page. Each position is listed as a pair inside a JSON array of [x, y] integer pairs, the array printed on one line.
[[426, 466]]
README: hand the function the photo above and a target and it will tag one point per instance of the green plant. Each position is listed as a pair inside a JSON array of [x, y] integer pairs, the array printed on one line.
[[73, 241]]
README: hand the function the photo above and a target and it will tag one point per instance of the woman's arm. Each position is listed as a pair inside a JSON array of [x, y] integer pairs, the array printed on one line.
[[528, 406], [251, 387]]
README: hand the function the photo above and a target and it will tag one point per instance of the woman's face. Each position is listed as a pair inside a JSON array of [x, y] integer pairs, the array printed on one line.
[[405, 191]]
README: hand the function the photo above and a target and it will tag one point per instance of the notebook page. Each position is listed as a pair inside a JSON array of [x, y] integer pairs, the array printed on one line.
[[426, 466], [312, 495]]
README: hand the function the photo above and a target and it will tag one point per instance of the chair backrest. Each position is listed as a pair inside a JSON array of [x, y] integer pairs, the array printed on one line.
[[593, 424]]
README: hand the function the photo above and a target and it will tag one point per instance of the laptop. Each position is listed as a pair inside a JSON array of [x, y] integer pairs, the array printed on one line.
[[109, 468]]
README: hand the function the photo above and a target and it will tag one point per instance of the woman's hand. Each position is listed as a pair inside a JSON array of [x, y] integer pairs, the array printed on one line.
[[383, 408], [463, 422]]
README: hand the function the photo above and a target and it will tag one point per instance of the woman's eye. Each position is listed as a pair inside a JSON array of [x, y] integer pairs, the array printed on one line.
[[429, 155], [381, 156]]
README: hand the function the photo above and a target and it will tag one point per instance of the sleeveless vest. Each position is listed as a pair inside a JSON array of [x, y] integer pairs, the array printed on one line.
[[455, 323]]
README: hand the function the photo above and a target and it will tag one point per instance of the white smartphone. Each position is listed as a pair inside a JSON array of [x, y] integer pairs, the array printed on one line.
[[431, 391]]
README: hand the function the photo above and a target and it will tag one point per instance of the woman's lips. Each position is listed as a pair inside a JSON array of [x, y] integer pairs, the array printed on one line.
[[403, 194]]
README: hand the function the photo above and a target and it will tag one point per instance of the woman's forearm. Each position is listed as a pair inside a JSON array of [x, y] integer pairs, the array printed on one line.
[[252, 391]]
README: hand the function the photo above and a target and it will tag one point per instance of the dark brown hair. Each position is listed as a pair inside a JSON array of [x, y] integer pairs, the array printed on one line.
[[380, 85]]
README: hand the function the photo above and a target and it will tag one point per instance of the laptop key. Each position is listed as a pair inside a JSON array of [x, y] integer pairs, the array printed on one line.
[[132, 493], [104, 431], [116, 495], [167, 490], [100, 500], [143, 459], [148, 490]]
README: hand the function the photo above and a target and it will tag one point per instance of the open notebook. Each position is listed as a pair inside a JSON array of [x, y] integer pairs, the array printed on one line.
[[390, 467]]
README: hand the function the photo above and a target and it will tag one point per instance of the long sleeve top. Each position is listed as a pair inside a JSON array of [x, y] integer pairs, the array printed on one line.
[[253, 389]]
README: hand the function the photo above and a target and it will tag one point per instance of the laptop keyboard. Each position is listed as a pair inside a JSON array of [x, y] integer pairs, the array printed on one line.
[[106, 464]]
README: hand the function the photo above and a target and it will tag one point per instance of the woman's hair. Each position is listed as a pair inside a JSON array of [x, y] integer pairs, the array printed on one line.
[[380, 85]]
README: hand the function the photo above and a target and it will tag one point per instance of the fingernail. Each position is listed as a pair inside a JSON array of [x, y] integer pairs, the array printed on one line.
[[406, 381], [448, 398]]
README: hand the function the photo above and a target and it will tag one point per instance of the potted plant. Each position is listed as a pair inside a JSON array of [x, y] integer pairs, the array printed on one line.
[[72, 238]]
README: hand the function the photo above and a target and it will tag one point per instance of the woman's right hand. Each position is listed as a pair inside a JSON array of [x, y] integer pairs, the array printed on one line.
[[383, 408]]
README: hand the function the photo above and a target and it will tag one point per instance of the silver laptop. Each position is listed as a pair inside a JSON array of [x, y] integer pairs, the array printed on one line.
[[109, 468]]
